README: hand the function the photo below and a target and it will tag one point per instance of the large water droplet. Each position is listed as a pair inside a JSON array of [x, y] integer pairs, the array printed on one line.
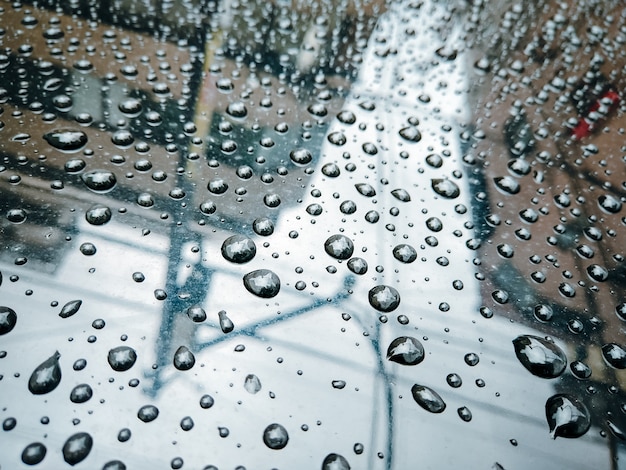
[[122, 358], [70, 308], [445, 188], [609, 204], [46, 376], [8, 320], [263, 226], [541, 357], [365, 189], [196, 314], [567, 416], [238, 249], [184, 358], [614, 355], [339, 246], [405, 350], [262, 282], [384, 298], [34, 453], [357, 265], [275, 436], [335, 462], [100, 181], [428, 399], [252, 384], [67, 140], [77, 448]]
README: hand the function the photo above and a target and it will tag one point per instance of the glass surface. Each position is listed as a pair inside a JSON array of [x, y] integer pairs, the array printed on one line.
[[288, 234]]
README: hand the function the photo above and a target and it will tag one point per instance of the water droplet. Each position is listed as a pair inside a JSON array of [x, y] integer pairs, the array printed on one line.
[[567, 416], [372, 216], [34, 453], [122, 358], [445, 188], [81, 393], [597, 273], [614, 355], [100, 181], [609, 204], [365, 189], [271, 200], [384, 298], [184, 358], [70, 308], [114, 465], [275, 436], [75, 165], [465, 414], [131, 107], [217, 186], [338, 384], [335, 462], [148, 413], [301, 156], [405, 253], [580, 369], [238, 249], [77, 448], [206, 401], [263, 226], [339, 247], [454, 380], [8, 320], [357, 265], [471, 359], [337, 138], [428, 399], [98, 215], [405, 350], [67, 140], [46, 376], [252, 384], [123, 138], [410, 133], [186, 424], [331, 170], [237, 110], [401, 195], [541, 357], [196, 314], [262, 282], [226, 323], [507, 184], [347, 117]]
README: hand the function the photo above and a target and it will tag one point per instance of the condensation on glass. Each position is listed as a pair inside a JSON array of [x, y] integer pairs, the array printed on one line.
[[288, 234]]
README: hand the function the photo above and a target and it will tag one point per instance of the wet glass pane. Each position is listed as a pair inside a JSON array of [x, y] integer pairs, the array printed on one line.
[[335, 234]]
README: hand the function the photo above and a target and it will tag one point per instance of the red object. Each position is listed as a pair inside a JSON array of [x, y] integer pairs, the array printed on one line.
[[588, 124]]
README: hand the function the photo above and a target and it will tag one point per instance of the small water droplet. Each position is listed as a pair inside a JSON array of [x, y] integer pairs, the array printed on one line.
[[365, 189], [405, 350], [357, 265], [338, 384], [507, 184], [46, 376], [411, 134], [301, 156], [405, 253], [465, 414], [252, 384], [196, 314], [226, 323], [335, 462], [8, 320], [70, 308], [206, 401], [428, 399]]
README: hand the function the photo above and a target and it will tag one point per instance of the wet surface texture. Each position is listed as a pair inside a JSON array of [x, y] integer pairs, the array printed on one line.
[[357, 234]]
